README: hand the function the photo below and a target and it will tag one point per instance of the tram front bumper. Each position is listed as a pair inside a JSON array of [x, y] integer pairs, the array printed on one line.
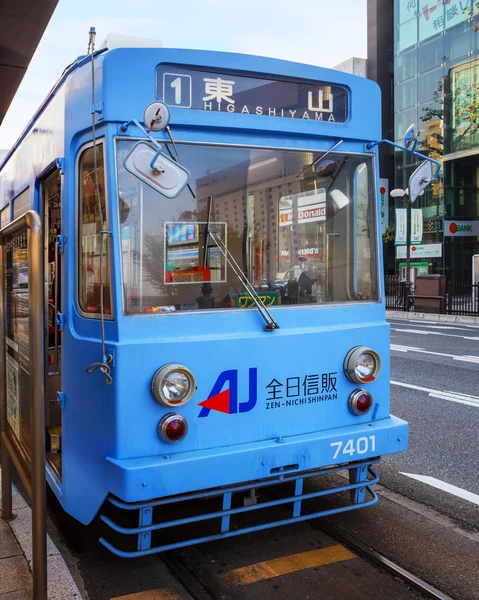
[[139, 479]]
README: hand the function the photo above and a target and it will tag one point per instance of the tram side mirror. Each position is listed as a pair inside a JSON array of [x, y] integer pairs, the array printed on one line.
[[156, 116], [419, 180], [339, 199], [156, 170], [325, 168]]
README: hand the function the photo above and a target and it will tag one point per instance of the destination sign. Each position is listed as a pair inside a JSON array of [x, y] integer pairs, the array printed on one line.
[[181, 87]]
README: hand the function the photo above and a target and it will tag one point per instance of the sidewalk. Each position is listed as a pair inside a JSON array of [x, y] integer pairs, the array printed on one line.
[[16, 559], [414, 316]]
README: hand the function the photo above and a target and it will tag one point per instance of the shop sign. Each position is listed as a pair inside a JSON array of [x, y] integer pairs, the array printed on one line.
[[307, 214], [384, 200], [420, 251], [461, 228]]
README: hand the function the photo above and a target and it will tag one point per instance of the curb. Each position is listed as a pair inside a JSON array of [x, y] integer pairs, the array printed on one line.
[[414, 316], [61, 585]]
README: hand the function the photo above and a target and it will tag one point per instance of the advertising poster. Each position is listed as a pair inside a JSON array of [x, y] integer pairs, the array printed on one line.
[[13, 396], [17, 337], [401, 224], [416, 226]]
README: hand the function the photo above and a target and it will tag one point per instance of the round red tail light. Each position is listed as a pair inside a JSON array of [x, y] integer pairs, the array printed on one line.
[[360, 402], [173, 428]]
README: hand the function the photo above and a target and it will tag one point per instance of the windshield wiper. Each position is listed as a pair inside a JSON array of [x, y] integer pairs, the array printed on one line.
[[271, 324], [320, 157]]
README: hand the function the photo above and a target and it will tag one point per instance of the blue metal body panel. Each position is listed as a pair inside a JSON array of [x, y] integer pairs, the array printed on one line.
[[110, 439], [139, 479]]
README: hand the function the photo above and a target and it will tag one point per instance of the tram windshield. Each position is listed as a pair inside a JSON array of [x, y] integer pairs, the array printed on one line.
[[300, 240]]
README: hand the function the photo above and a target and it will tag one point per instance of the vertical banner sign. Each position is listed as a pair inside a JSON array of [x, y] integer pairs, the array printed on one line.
[[416, 225], [384, 200], [401, 224]]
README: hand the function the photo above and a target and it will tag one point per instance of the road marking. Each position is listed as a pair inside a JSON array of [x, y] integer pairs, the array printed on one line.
[[465, 358], [441, 395], [431, 324], [445, 487], [420, 331], [287, 564], [159, 594]]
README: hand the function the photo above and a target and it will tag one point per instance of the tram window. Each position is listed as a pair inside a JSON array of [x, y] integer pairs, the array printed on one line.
[[21, 203], [298, 240], [364, 221], [5, 216], [89, 234]]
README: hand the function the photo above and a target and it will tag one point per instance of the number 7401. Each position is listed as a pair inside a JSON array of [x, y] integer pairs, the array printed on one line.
[[361, 445]]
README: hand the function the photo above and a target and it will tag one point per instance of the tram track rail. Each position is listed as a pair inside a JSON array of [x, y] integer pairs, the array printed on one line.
[[428, 590], [199, 590]]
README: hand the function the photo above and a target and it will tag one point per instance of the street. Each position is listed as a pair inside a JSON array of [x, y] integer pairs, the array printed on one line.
[[434, 386]]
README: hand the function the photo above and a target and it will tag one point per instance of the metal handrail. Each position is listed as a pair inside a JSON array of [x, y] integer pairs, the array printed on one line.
[[32, 475]]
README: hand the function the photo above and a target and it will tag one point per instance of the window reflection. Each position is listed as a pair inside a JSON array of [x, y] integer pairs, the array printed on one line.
[[292, 237]]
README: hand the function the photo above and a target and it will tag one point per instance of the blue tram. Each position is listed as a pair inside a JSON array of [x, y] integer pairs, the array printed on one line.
[[214, 307]]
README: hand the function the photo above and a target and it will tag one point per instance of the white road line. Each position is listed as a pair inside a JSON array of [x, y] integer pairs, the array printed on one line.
[[431, 324], [420, 331], [445, 487], [465, 358], [442, 395]]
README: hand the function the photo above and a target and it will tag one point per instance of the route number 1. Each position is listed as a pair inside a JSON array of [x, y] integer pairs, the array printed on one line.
[[361, 445], [176, 85], [177, 90]]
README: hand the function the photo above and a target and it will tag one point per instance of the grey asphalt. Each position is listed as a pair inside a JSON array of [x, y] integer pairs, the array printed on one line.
[[444, 435]]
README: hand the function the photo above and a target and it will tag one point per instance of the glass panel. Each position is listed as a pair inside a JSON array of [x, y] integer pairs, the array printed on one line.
[[5, 216], [457, 42], [431, 20], [462, 106], [295, 238], [402, 121], [431, 139], [364, 222], [406, 65], [430, 55], [89, 236], [430, 85], [21, 203], [17, 337], [406, 35], [406, 10], [405, 95]]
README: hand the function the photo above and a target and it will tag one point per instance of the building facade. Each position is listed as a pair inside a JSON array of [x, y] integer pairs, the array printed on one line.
[[435, 81]]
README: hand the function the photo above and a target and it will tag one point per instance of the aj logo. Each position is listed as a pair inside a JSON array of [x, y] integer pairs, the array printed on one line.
[[226, 401]]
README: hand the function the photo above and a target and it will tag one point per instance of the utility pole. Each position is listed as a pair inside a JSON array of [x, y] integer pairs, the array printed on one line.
[[407, 287]]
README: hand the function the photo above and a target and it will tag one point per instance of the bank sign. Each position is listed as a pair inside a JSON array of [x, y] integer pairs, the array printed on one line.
[[181, 87], [420, 251], [461, 228]]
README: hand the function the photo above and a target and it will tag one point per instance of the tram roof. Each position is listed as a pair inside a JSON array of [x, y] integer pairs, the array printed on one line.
[[244, 62]]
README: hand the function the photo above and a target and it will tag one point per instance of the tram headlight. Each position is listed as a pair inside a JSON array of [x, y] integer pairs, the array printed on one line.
[[173, 385], [360, 402], [173, 428], [362, 365]]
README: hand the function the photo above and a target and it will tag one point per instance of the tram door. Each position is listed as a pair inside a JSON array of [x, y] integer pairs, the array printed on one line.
[[51, 194]]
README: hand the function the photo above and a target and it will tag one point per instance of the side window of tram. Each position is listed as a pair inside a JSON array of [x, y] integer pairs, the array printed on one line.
[[91, 254], [364, 232], [21, 203]]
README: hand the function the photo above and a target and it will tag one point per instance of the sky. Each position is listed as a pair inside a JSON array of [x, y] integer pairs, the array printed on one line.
[[317, 32]]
